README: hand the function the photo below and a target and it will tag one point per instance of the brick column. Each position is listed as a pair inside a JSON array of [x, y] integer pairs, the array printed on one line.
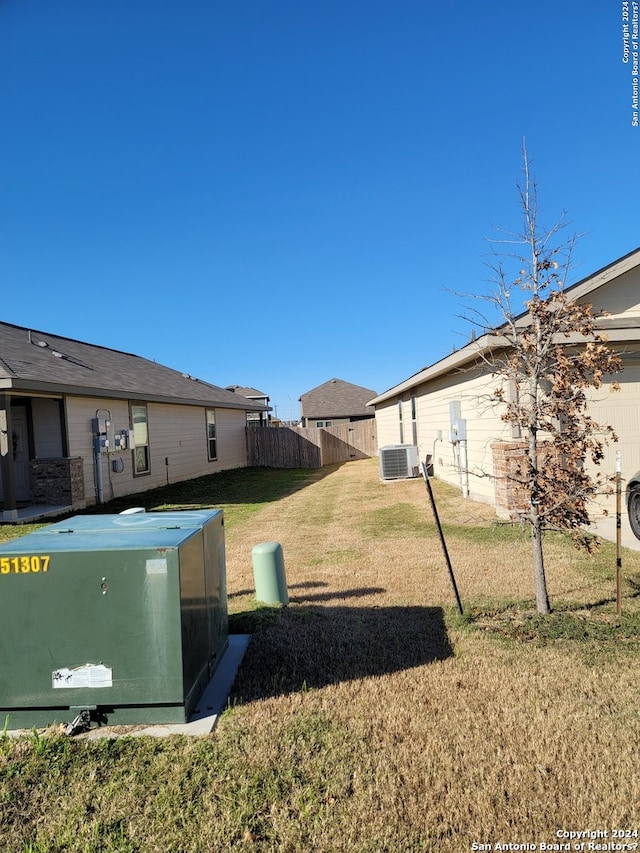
[[57, 482], [510, 496]]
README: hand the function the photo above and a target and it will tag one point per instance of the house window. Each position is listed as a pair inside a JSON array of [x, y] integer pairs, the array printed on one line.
[[319, 423], [212, 451], [414, 420], [328, 423], [141, 438], [400, 421]]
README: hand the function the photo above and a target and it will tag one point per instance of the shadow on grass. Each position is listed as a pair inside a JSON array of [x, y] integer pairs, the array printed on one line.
[[315, 596], [235, 486], [311, 646], [303, 585], [339, 594]]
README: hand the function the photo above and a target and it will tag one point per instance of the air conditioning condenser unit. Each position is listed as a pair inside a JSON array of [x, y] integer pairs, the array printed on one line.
[[399, 461]]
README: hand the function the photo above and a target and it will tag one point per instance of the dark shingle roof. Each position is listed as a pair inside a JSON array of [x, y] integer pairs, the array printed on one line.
[[40, 361], [336, 399], [246, 392]]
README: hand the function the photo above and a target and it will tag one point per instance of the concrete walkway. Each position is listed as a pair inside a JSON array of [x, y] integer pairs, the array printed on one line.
[[605, 527], [31, 514]]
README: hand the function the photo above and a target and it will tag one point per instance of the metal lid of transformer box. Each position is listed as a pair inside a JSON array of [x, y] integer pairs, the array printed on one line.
[[113, 532], [174, 520], [99, 540]]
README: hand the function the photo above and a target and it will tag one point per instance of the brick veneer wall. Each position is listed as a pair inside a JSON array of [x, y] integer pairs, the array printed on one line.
[[510, 495], [57, 482]]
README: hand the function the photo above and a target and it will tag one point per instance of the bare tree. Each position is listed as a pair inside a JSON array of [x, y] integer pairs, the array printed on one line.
[[549, 355]]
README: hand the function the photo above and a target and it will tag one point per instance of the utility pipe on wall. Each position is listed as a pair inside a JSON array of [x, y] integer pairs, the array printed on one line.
[[99, 484], [464, 470], [98, 456]]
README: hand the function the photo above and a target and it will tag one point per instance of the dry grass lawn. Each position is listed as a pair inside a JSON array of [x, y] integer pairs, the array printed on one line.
[[367, 715], [453, 736]]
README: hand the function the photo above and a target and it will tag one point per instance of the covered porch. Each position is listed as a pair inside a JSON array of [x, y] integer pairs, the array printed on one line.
[[37, 479]]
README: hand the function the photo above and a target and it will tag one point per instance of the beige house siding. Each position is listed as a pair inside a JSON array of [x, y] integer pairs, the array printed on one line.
[[80, 412], [47, 437], [472, 389], [621, 410], [177, 434], [484, 427], [232, 442], [387, 424]]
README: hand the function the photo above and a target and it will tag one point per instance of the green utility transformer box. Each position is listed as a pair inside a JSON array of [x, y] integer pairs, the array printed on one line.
[[124, 616]]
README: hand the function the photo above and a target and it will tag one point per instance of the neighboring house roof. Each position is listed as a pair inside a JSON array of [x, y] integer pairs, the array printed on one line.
[[35, 361], [619, 328], [336, 399], [247, 392]]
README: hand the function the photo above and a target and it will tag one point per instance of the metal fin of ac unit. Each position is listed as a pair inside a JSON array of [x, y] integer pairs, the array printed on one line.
[[398, 461]]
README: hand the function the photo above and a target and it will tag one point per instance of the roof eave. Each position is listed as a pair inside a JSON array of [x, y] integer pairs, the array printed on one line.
[[471, 352], [39, 387], [475, 349], [485, 345], [605, 275]]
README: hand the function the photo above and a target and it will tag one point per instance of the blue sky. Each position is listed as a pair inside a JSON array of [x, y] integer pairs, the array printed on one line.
[[278, 192]]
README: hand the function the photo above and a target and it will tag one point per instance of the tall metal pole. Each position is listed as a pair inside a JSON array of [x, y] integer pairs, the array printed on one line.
[[618, 532], [425, 474]]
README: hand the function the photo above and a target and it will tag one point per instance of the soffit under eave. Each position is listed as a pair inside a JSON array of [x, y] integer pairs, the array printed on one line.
[[622, 336], [34, 388], [483, 349], [34, 395], [611, 336]]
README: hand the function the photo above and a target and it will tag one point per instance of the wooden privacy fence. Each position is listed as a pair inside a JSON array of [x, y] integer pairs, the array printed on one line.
[[311, 447], [270, 447]]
